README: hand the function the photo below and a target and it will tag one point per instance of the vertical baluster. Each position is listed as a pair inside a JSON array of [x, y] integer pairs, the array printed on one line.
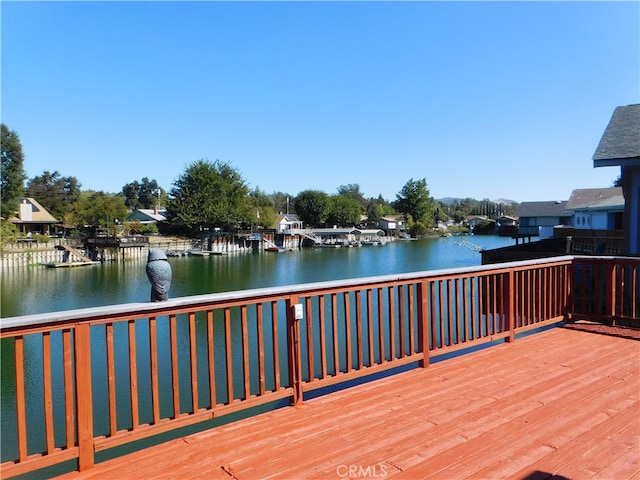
[[551, 294], [276, 345], [246, 367], [20, 398], [465, 309], [175, 380], [153, 360], [557, 291], [381, 335], [229, 354], [510, 305], [619, 279], [401, 321], [410, 317], [547, 292], [260, 340], [111, 380], [529, 297], [542, 294], [133, 374], [423, 324], [456, 306], [334, 326], [472, 309], [309, 323], [193, 357], [48, 400], [347, 331], [483, 304], [520, 298], [323, 335], [359, 340], [370, 327], [495, 311], [433, 317], [537, 296], [392, 323], [211, 357], [68, 389], [441, 319], [503, 299]]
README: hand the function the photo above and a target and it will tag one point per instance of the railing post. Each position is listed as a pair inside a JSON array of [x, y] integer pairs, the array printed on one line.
[[84, 401], [293, 352], [570, 285], [611, 292], [423, 324], [510, 305]]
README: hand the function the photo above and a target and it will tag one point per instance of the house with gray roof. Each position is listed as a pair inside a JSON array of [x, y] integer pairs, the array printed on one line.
[[148, 215], [536, 215], [620, 146], [596, 208], [287, 223]]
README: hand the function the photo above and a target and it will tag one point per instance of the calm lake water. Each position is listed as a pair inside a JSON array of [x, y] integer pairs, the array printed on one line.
[[37, 289]]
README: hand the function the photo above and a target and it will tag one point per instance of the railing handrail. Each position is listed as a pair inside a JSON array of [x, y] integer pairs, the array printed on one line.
[[149, 308]]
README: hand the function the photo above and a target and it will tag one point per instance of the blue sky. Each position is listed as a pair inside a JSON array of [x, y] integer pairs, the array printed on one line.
[[482, 99]]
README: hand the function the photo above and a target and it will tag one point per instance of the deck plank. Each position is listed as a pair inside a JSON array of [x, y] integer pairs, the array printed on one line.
[[561, 402]]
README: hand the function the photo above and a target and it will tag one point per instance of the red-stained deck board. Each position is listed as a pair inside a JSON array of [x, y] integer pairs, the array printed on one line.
[[562, 402]]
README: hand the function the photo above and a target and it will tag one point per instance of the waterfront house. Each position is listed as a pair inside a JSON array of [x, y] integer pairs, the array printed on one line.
[[286, 223], [538, 218], [33, 218], [148, 215], [373, 236], [596, 208], [507, 225], [620, 146], [474, 220], [392, 224], [336, 237]]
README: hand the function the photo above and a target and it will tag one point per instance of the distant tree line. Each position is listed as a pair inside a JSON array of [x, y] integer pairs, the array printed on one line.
[[210, 195]]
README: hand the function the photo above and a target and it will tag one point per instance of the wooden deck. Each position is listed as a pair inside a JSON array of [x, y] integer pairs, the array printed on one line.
[[563, 403]]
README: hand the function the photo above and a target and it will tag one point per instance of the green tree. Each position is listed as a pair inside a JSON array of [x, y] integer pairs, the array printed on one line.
[[416, 204], [283, 202], [56, 193], [209, 195], [376, 209], [8, 233], [144, 194], [352, 190], [12, 176], [99, 209], [265, 215], [312, 207], [343, 211]]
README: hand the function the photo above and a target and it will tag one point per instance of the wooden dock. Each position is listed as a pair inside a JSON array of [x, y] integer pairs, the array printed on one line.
[[72, 258], [563, 403]]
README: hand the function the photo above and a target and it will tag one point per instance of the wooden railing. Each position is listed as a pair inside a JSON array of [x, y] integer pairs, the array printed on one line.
[[79, 382]]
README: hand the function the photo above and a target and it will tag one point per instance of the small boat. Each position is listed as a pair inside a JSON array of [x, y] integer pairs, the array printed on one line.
[[69, 264], [200, 253]]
